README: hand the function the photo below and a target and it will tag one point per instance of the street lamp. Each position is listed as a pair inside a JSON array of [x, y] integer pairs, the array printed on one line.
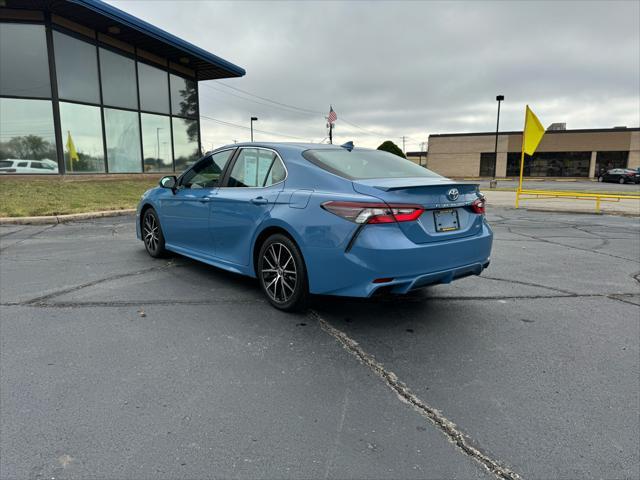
[[253, 119], [494, 183]]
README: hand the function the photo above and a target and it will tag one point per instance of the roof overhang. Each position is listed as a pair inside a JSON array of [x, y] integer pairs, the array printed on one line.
[[105, 18]]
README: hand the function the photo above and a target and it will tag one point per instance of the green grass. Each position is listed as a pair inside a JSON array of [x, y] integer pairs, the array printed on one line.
[[21, 197]]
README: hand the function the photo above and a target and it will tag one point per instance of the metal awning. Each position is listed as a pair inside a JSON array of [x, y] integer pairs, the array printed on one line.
[[103, 17]]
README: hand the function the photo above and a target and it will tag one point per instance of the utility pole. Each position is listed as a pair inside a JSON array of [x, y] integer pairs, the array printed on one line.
[[422, 149], [403, 149]]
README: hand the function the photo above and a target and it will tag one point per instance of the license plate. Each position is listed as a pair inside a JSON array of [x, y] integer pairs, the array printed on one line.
[[446, 220]]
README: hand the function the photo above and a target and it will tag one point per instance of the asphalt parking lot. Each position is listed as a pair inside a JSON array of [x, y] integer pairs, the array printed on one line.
[[115, 365]]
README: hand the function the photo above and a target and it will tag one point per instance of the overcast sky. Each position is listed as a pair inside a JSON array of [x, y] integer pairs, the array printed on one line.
[[410, 68]]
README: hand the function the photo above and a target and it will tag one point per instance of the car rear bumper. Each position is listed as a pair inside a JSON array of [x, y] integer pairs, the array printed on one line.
[[384, 252]]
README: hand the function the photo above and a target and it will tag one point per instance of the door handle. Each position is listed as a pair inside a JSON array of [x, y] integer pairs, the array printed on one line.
[[259, 201], [204, 200]]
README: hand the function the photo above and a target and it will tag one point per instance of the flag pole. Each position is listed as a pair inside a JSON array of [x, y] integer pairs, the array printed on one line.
[[521, 159], [330, 133]]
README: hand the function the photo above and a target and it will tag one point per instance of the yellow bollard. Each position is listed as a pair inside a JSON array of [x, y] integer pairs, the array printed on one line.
[[517, 199]]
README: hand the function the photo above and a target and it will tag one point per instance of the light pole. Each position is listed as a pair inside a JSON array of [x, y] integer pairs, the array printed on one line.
[[253, 119], [494, 182], [158, 141]]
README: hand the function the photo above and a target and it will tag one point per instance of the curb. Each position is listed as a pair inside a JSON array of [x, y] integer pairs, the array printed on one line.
[[54, 219]]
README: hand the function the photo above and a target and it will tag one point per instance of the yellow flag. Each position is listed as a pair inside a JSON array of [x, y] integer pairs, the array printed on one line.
[[73, 154], [533, 132]]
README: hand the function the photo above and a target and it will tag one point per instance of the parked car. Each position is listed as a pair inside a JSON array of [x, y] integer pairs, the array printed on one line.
[[319, 219], [12, 165], [620, 175]]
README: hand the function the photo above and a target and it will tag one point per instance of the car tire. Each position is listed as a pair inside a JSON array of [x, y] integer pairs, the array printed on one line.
[[152, 235], [621, 181], [600, 179], [286, 288]]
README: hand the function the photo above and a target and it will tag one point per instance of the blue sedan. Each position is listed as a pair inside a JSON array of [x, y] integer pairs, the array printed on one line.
[[318, 219]]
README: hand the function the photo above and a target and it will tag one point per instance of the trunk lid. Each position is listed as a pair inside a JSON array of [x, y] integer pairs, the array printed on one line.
[[437, 196]]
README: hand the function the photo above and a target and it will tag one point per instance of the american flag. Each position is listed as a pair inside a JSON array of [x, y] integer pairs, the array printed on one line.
[[332, 116]]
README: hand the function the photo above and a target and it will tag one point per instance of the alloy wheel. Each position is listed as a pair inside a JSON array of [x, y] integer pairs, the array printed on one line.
[[279, 272], [150, 231]]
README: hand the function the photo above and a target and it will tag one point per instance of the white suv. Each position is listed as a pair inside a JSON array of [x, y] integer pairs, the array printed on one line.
[[12, 165]]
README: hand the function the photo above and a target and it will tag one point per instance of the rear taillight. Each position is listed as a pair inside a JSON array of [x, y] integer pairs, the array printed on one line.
[[478, 205], [360, 212]]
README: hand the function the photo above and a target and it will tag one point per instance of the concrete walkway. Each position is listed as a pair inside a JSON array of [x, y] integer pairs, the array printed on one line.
[[508, 199]]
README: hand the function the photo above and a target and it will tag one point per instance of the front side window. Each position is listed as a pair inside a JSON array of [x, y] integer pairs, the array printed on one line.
[[82, 138], [252, 168], [76, 69], [26, 131], [122, 133], [24, 65], [364, 164], [207, 172]]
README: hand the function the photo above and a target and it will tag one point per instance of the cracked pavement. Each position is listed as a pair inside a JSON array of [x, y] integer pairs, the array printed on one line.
[[116, 365]]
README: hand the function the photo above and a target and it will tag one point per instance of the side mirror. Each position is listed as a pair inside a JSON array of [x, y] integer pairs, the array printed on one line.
[[170, 181]]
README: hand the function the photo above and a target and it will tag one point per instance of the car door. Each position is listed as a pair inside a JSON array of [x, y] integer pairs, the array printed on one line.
[[244, 201], [185, 213]]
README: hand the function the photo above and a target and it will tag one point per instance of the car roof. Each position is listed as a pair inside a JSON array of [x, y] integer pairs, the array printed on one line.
[[299, 146]]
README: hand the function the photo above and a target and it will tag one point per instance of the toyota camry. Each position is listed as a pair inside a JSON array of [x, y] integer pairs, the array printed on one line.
[[318, 219]]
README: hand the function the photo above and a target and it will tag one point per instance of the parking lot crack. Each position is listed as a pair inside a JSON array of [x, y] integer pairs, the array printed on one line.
[[530, 284], [445, 425], [43, 298]]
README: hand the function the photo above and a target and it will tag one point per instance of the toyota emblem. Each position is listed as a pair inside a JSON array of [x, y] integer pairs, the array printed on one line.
[[453, 194]]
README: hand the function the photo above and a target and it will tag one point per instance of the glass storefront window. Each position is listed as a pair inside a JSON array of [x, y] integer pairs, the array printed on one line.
[[185, 142], [118, 74], [122, 133], [27, 138], [156, 143], [154, 88], [76, 69], [610, 160], [184, 100], [24, 65], [82, 138], [550, 164], [487, 164]]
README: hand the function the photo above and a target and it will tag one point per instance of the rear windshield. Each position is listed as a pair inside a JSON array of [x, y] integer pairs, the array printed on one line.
[[363, 164]]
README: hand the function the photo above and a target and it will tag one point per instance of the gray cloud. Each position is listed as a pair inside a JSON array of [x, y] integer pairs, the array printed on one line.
[[412, 68]]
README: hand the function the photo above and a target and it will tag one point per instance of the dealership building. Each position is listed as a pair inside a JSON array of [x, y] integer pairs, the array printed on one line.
[[86, 88], [561, 153]]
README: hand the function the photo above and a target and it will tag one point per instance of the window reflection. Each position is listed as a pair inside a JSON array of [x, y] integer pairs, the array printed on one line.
[[154, 88], [118, 80], [185, 142], [82, 138], [184, 99], [122, 133], [26, 133], [156, 143], [76, 69], [24, 70]]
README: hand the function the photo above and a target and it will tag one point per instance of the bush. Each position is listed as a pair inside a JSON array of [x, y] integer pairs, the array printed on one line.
[[391, 147]]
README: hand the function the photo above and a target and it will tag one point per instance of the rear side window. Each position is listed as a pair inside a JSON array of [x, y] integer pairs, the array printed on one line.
[[5, 163], [363, 164], [256, 167]]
